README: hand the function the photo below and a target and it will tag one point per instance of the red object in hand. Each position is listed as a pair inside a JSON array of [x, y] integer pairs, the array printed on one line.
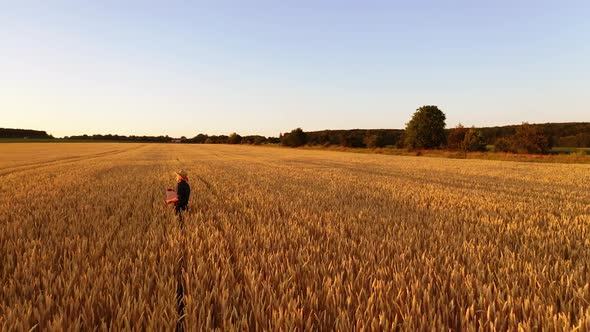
[[170, 194]]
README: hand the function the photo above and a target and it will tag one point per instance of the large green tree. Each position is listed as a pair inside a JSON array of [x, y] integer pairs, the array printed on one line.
[[234, 139], [426, 129], [295, 138]]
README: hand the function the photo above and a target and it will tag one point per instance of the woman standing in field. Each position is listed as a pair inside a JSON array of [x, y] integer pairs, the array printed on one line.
[[183, 192]]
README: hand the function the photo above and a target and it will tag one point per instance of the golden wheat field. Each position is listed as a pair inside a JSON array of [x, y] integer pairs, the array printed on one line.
[[287, 239]]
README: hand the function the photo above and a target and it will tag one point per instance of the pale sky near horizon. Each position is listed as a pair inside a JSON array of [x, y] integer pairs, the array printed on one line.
[[264, 67]]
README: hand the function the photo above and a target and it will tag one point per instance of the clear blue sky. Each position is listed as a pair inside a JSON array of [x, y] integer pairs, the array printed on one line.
[[180, 68]]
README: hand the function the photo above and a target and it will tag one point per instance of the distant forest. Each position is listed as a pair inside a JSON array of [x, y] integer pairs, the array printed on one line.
[[573, 134], [23, 133]]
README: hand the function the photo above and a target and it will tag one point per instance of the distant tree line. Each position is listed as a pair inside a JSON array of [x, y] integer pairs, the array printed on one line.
[[568, 134], [427, 130], [199, 139], [233, 138], [23, 133], [119, 138], [354, 138]]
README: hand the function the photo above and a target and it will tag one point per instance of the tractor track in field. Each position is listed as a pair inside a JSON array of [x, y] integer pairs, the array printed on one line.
[[181, 262], [64, 161], [179, 271], [181, 267]]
